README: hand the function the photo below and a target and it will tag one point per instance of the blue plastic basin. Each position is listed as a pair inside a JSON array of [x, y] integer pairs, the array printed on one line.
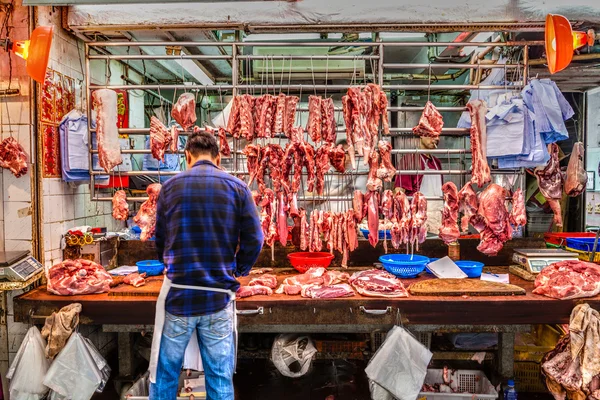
[[404, 265], [150, 267], [387, 233], [473, 269]]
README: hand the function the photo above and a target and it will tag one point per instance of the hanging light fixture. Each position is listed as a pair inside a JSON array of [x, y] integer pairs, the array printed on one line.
[[34, 51], [561, 42]]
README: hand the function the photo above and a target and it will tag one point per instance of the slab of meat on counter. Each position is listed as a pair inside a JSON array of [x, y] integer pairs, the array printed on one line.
[[550, 182], [13, 157], [327, 292], [247, 291], [75, 277], [135, 279], [290, 290], [449, 230], [576, 176], [260, 271], [146, 216], [160, 139], [569, 280], [264, 280], [377, 283], [480, 173], [109, 148], [184, 111], [120, 206], [430, 123]]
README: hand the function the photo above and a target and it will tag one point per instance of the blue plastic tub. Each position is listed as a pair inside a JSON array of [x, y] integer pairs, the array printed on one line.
[[150, 267], [404, 265], [473, 269], [387, 234], [583, 244]]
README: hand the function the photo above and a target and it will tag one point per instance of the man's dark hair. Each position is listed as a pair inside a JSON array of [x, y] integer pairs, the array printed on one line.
[[202, 143]]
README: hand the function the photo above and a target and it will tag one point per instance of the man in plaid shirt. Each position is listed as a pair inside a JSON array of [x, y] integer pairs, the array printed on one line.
[[207, 233]]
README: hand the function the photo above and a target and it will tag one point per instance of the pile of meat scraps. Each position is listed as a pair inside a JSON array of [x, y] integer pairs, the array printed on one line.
[[74, 277], [569, 280], [572, 369]]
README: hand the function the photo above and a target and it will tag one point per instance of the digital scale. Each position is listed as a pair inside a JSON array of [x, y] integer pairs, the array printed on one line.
[[18, 266], [535, 260]]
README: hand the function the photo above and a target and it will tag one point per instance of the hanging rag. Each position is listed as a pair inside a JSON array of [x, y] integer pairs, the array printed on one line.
[[58, 328]]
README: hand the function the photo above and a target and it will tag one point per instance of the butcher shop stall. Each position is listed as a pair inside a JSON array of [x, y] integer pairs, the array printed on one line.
[[425, 185]]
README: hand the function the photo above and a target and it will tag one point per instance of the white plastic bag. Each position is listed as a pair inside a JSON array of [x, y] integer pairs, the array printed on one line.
[[379, 393], [29, 368], [74, 373], [100, 363], [292, 354], [400, 364]]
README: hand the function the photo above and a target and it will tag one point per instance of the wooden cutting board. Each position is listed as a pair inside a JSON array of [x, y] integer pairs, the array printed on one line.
[[460, 287], [151, 288]]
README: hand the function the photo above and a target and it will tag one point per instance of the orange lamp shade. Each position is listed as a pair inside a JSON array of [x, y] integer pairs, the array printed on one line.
[[36, 51], [561, 41]]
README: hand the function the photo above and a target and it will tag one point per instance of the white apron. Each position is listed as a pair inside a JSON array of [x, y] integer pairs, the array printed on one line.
[[192, 358], [431, 187]]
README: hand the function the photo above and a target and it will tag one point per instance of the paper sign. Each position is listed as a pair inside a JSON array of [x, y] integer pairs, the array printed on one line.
[[500, 278]]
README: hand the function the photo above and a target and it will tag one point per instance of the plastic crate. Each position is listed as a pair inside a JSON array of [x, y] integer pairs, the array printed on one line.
[[583, 244], [341, 346], [560, 238], [585, 255], [528, 378], [471, 385], [378, 337]]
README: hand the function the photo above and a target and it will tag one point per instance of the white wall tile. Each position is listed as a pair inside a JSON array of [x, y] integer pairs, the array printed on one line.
[[68, 207], [47, 232], [79, 205], [56, 232], [55, 209], [46, 187], [16, 189], [56, 256], [17, 245], [56, 187], [47, 258], [17, 226]]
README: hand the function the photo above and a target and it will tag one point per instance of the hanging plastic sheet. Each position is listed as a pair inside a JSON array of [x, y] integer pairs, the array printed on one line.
[[28, 370]]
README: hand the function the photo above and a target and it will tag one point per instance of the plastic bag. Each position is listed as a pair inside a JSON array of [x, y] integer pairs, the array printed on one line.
[[100, 363], [400, 364], [29, 368], [74, 373], [474, 341], [292, 354], [379, 393]]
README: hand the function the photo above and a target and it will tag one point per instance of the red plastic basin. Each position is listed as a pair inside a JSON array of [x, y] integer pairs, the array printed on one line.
[[304, 260]]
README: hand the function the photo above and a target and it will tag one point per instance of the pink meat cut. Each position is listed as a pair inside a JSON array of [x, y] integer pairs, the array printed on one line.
[[418, 228], [13, 157], [550, 182], [468, 205], [569, 280], [376, 283], [327, 292], [449, 230], [120, 206], [431, 122], [184, 111], [576, 176], [75, 277], [135, 279], [109, 148], [480, 168], [315, 119], [518, 216], [496, 220], [146, 216], [264, 280], [372, 201], [386, 171], [247, 291], [290, 290], [160, 139]]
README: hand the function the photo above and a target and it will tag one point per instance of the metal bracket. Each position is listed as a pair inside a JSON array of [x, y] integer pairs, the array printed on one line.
[[387, 310], [259, 310]]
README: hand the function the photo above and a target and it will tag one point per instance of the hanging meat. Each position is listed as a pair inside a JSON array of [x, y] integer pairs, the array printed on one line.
[[120, 206], [386, 171], [373, 182], [146, 216], [247, 117], [495, 220], [109, 148], [518, 216], [290, 114], [160, 139], [468, 205], [358, 201], [329, 132], [401, 220], [418, 210], [480, 173], [430, 123], [322, 166], [184, 111], [387, 209], [315, 119], [337, 157], [576, 179], [279, 120], [372, 202], [234, 122], [449, 231], [252, 152], [13, 157], [550, 182], [347, 113], [282, 226], [265, 116]]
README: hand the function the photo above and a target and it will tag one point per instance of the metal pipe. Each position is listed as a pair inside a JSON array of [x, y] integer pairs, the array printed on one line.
[[451, 66], [351, 173], [441, 109], [449, 87], [444, 130], [321, 44], [576, 57], [158, 57], [158, 96], [89, 117], [315, 57], [164, 87]]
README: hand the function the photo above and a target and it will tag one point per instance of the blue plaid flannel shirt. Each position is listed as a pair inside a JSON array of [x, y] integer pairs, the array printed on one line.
[[207, 232]]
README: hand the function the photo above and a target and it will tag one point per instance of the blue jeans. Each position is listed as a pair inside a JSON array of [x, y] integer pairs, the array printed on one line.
[[217, 347]]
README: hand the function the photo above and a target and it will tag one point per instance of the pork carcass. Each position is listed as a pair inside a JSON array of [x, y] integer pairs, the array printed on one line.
[[264, 280], [570, 279], [160, 139], [290, 114], [247, 291], [449, 231], [518, 216], [480, 171], [576, 176], [265, 121], [184, 111], [75, 277], [315, 119], [146, 216], [13, 157], [135, 279], [373, 182], [329, 133], [497, 229], [386, 171], [550, 182], [358, 201], [234, 122], [468, 204], [109, 148], [327, 292], [372, 201], [247, 117], [279, 120], [377, 283], [120, 206], [430, 123], [418, 211]]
